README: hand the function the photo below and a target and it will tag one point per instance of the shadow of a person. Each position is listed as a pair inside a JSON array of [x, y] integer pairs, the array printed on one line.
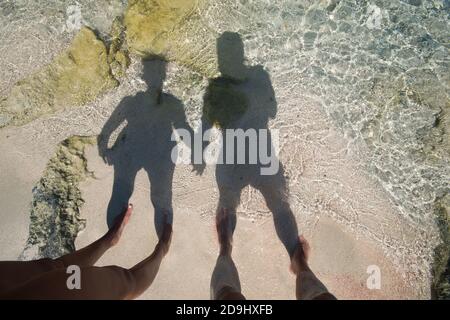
[[144, 143], [243, 98]]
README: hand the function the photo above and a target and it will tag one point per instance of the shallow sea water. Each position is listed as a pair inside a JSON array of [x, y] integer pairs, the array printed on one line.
[[379, 69], [381, 72]]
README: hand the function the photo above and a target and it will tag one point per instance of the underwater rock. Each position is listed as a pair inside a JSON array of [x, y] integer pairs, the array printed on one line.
[[315, 17], [223, 103], [149, 23], [431, 93], [441, 267], [413, 2], [118, 57], [74, 78], [55, 208], [166, 28], [4, 119]]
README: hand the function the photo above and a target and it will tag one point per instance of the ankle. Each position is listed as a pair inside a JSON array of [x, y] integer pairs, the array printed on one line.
[[300, 265], [225, 249], [161, 248], [107, 241]]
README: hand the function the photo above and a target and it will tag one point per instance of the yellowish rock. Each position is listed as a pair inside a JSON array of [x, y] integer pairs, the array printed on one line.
[[55, 219], [166, 28], [118, 58], [74, 78], [150, 23]]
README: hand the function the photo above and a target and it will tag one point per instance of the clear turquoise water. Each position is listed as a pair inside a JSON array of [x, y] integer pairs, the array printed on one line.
[[381, 71]]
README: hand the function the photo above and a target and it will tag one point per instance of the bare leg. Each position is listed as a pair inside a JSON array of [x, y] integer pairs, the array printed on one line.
[[145, 272], [308, 286], [89, 255], [15, 273], [225, 284], [110, 282], [18, 272], [96, 283]]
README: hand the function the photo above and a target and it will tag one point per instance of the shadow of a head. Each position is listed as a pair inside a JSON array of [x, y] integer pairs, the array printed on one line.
[[230, 54], [240, 89], [154, 73]]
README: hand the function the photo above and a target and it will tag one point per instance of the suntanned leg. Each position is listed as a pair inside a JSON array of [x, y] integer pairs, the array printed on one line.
[[89, 255], [145, 272], [96, 283], [225, 283], [308, 286], [16, 273], [110, 282]]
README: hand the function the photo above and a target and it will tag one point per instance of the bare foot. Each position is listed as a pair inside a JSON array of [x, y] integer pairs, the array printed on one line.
[[224, 231], [166, 237], [114, 234], [299, 261]]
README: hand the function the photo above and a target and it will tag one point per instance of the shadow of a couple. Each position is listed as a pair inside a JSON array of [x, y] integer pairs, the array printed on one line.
[[241, 98]]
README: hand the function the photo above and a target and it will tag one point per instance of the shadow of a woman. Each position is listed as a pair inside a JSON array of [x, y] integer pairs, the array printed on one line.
[[144, 143], [242, 98]]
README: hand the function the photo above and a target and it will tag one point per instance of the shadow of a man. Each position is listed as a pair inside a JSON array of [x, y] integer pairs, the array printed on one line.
[[144, 143], [243, 98]]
